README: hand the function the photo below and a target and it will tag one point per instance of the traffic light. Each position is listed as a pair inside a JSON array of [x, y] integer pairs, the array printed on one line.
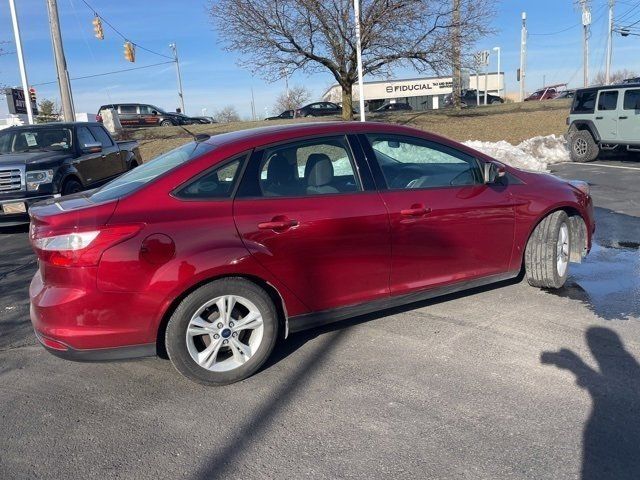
[[32, 95], [97, 28], [129, 51]]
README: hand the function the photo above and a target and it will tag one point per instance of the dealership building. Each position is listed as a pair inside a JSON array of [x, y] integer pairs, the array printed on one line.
[[421, 93]]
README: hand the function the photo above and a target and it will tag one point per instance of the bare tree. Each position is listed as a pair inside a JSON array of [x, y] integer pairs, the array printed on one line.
[[277, 36], [227, 114], [294, 98], [616, 77]]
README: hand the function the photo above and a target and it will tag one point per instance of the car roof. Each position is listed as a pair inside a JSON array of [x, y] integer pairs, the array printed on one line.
[[273, 134], [608, 87]]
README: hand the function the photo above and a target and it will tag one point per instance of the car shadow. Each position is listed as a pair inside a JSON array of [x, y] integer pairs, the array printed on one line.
[[611, 436]]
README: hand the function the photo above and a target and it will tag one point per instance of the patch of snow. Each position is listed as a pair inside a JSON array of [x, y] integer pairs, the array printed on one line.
[[533, 154]]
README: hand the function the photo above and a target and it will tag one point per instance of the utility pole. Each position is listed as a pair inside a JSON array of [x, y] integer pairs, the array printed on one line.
[[607, 75], [61, 63], [497, 49], [523, 54], [174, 49], [356, 9], [586, 33], [456, 54], [23, 71]]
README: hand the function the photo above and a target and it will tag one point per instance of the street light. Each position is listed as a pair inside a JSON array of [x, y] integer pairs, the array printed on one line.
[[497, 49]]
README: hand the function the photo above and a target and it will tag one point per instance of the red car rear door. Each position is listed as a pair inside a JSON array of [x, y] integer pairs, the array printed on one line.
[[311, 217], [447, 225]]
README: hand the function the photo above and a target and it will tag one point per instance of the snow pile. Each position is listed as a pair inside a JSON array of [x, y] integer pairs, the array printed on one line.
[[533, 154]]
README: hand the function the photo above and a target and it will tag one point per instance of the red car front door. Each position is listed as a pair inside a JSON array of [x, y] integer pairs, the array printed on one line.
[[303, 213], [447, 225]]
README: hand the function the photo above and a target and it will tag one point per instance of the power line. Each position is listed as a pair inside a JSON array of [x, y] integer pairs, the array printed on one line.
[[575, 25], [107, 73], [629, 12], [124, 37]]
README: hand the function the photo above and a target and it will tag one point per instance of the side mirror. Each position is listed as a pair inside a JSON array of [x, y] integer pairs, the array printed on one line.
[[493, 172], [154, 112], [92, 147]]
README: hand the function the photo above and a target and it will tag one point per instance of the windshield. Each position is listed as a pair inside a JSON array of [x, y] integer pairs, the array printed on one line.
[[135, 179], [36, 139]]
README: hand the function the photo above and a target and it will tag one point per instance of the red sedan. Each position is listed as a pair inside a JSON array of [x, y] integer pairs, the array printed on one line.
[[212, 251]]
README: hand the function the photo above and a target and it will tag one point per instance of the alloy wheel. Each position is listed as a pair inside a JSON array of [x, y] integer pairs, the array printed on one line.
[[562, 250]]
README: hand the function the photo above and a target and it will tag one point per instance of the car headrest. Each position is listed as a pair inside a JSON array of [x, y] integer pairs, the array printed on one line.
[[319, 170], [279, 170]]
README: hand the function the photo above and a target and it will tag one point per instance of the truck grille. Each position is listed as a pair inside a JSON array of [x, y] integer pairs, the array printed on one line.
[[10, 180]]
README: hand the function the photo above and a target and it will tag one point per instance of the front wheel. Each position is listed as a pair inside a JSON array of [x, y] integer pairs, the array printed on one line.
[[166, 123], [547, 252], [223, 332], [582, 146], [70, 187]]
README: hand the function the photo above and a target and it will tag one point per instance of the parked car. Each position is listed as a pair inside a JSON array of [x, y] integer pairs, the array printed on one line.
[[547, 93], [187, 120], [604, 118], [284, 115], [319, 109], [216, 249], [565, 94], [393, 107], [38, 162], [469, 98], [143, 115]]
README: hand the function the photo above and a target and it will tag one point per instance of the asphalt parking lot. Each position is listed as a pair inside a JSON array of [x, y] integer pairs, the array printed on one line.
[[501, 382]]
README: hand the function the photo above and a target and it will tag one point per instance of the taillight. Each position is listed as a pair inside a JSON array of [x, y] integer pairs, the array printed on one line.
[[80, 248]]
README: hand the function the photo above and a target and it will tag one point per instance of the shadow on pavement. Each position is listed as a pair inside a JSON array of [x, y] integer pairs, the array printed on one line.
[[611, 437]]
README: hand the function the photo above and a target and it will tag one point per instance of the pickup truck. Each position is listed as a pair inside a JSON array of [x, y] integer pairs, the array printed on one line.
[[38, 162]]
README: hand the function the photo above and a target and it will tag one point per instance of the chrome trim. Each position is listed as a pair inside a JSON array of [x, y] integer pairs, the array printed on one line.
[[8, 169]]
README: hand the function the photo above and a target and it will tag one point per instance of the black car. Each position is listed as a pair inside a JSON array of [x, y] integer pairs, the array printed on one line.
[[284, 115], [39, 162], [143, 115], [394, 107], [187, 120], [469, 98], [319, 109]]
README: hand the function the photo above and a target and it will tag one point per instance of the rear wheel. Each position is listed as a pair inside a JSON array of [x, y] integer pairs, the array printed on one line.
[[583, 147], [547, 253], [166, 123], [223, 332]]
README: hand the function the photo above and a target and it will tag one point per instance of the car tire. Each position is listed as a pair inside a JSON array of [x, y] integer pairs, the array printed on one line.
[[495, 101], [166, 123], [582, 147], [133, 164], [546, 256], [70, 187], [214, 357]]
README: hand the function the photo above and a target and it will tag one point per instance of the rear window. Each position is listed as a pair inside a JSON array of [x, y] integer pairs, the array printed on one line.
[[147, 172], [632, 100], [584, 102]]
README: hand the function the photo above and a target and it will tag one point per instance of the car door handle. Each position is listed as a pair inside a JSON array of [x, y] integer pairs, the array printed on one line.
[[278, 224], [623, 118], [417, 210], [599, 118]]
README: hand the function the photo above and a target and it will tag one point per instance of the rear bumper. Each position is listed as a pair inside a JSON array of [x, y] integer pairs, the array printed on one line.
[[10, 220], [84, 324], [66, 352]]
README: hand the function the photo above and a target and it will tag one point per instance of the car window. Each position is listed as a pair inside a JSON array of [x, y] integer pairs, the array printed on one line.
[[149, 171], [312, 167], [584, 102], [24, 140], [218, 183], [608, 100], [632, 100], [128, 109], [409, 163], [101, 136], [85, 137]]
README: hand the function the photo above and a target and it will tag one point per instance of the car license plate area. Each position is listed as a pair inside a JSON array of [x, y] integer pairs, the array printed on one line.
[[13, 208]]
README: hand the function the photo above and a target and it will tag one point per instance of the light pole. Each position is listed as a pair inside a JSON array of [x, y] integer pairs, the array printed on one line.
[[175, 59], [23, 72], [356, 8], [497, 49]]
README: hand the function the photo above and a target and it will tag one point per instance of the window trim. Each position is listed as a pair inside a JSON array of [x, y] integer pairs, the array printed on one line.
[[381, 180], [242, 157], [604, 92], [258, 152]]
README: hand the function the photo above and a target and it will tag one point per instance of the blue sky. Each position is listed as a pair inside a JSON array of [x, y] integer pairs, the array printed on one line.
[[211, 77]]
